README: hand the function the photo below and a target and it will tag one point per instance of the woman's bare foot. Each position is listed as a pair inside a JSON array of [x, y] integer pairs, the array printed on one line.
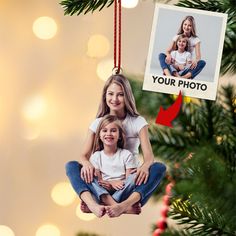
[[115, 210], [118, 209], [135, 209], [176, 74], [96, 209], [124, 207], [166, 72], [84, 208]]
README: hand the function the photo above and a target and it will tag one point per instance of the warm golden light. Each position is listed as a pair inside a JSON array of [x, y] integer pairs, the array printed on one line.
[[185, 98], [104, 69], [63, 194], [31, 132], [6, 231], [129, 3], [219, 140], [45, 27], [48, 230], [98, 46], [35, 108], [84, 216]]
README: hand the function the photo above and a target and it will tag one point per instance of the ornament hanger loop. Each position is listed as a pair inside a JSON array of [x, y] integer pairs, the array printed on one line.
[[117, 71]]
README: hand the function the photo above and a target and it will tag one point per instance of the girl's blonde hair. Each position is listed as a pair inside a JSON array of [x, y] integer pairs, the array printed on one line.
[[182, 36], [192, 20], [123, 82], [98, 144]]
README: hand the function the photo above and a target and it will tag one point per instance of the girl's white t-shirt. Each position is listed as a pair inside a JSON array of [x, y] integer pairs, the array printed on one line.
[[114, 167], [181, 58], [132, 126]]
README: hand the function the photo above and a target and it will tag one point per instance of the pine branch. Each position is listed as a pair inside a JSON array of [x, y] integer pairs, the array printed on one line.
[[206, 184], [225, 127], [200, 220], [170, 144], [228, 99], [78, 7], [173, 232]]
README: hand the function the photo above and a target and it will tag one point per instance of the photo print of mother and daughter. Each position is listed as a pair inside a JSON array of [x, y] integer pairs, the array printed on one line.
[[185, 51], [109, 179]]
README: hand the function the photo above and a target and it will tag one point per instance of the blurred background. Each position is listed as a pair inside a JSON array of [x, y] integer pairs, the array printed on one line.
[[52, 70]]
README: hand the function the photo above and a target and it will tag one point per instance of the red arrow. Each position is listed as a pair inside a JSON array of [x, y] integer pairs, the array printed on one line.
[[165, 117]]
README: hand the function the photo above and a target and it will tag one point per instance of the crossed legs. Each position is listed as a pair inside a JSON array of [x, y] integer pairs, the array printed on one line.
[[131, 205]]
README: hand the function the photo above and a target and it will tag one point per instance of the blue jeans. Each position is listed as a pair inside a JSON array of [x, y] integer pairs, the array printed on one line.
[[194, 72], [156, 173], [117, 195], [181, 72]]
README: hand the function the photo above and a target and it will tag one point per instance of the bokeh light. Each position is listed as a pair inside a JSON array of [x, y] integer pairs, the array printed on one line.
[[45, 27], [185, 98], [63, 194], [6, 231], [34, 108], [104, 69], [48, 230], [98, 46], [129, 3], [84, 216]]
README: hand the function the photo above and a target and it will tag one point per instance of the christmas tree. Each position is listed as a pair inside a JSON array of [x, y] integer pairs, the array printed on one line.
[[204, 195]]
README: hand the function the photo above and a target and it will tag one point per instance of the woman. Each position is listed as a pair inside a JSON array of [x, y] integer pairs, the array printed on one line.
[[187, 28], [117, 99]]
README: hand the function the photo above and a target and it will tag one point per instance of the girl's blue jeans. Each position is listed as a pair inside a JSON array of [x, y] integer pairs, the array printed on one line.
[[156, 174], [194, 72], [119, 195]]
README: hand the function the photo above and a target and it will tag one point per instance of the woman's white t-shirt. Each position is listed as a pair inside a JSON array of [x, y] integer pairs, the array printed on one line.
[[132, 126], [113, 167]]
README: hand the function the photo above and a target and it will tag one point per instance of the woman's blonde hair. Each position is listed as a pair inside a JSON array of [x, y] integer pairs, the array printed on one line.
[[123, 82], [107, 119], [192, 20]]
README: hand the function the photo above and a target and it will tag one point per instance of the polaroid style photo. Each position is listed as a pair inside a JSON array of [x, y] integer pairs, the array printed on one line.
[[185, 51]]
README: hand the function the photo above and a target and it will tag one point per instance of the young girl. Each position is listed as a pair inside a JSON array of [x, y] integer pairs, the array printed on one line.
[[180, 58], [117, 99], [187, 28], [113, 164]]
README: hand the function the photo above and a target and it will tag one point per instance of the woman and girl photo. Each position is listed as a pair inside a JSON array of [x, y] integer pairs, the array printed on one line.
[[183, 56], [185, 51], [109, 179]]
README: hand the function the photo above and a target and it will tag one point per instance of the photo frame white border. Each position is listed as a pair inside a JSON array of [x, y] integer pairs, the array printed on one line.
[[172, 85]]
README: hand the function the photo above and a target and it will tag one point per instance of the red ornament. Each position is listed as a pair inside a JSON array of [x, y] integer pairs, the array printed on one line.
[[158, 232], [161, 224], [169, 188], [164, 211], [166, 199]]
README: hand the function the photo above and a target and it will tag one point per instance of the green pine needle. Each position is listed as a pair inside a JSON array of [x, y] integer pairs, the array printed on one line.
[[72, 7]]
